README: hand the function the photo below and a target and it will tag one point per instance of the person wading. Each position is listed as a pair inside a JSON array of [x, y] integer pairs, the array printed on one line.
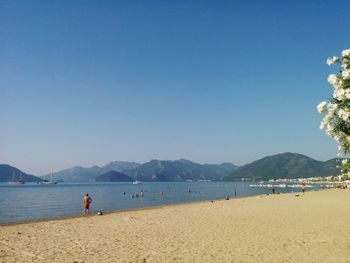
[[87, 202]]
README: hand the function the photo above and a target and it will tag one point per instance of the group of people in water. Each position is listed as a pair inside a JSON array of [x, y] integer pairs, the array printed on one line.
[[87, 200], [141, 194]]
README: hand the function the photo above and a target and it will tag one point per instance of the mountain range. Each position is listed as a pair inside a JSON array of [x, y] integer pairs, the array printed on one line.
[[286, 165], [155, 170], [83, 174], [180, 170]]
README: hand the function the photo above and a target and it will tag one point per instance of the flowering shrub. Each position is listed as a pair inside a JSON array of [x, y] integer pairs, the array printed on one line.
[[336, 122]]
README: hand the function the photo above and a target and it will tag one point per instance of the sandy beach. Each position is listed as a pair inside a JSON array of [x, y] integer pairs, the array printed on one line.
[[275, 228]]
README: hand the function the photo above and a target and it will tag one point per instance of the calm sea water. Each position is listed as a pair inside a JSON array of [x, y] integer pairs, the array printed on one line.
[[38, 201]]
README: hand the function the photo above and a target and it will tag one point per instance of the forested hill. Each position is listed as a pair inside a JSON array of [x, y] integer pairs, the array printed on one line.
[[9, 173], [286, 165]]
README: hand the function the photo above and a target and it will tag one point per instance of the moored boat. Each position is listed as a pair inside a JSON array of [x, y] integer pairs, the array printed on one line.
[[16, 181]]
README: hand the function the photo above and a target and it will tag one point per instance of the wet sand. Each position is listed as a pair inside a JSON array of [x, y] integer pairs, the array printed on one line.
[[275, 228]]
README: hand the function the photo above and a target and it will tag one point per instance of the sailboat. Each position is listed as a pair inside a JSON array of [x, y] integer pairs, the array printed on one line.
[[49, 181], [136, 181], [16, 181], [52, 181]]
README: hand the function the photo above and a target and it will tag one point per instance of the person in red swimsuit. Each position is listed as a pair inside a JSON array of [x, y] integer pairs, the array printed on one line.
[[87, 201]]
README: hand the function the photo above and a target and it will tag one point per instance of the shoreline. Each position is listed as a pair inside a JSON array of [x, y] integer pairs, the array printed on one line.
[[261, 228], [29, 221]]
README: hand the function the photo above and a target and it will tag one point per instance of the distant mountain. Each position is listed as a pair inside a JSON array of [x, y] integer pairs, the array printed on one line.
[[286, 165], [120, 166], [82, 174], [155, 170], [8, 173], [113, 176], [179, 170]]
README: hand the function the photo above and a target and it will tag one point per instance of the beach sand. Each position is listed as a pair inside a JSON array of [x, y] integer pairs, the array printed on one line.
[[281, 228]]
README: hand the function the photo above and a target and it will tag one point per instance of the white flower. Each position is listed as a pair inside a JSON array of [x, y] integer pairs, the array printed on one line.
[[346, 74], [332, 79], [335, 81], [339, 84], [322, 126], [330, 130], [332, 60], [332, 106], [338, 112], [330, 127], [345, 63], [339, 94], [344, 115], [321, 108], [327, 120], [337, 137], [345, 52]]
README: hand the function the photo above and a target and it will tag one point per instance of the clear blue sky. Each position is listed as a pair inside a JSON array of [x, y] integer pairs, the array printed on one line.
[[89, 82]]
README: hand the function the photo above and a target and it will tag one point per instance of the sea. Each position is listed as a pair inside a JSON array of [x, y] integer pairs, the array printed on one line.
[[31, 201]]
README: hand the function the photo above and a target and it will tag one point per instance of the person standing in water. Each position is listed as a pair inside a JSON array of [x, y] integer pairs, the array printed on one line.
[[87, 202]]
